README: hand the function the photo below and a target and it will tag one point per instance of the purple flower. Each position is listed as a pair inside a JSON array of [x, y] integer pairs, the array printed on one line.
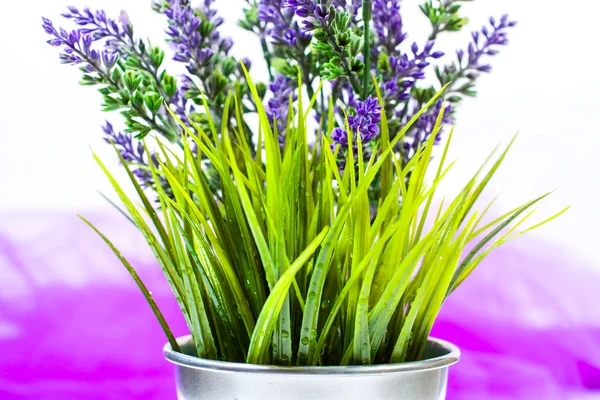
[[423, 128], [364, 123], [273, 12], [124, 143], [340, 136], [484, 42], [281, 28], [306, 10], [185, 34], [289, 37], [405, 70], [312, 15], [278, 106], [181, 106], [131, 152], [109, 58], [77, 49], [118, 34], [366, 120], [388, 25]]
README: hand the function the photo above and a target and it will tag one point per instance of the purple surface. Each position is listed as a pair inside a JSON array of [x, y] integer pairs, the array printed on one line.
[[74, 326]]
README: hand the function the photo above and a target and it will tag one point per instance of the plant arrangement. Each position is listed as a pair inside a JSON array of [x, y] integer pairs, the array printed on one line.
[[283, 243], [335, 46]]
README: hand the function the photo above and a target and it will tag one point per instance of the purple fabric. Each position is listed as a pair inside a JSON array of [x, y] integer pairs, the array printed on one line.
[[74, 326]]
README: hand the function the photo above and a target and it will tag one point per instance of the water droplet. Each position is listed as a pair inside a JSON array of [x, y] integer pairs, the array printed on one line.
[[312, 295], [284, 357], [313, 334], [325, 304], [304, 340], [285, 334]]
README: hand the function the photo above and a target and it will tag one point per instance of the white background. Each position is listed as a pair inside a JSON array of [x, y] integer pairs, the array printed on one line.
[[544, 84]]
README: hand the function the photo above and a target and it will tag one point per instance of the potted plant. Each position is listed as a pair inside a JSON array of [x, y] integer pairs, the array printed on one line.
[[305, 250]]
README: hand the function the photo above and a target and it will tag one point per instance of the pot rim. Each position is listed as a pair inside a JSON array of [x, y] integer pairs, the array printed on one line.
[[451, 356]]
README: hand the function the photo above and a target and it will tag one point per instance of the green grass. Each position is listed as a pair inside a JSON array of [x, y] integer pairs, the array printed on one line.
[[286, 265]]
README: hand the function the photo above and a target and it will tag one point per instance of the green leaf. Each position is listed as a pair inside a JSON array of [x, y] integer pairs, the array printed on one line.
[[147, 295], [268, 317]]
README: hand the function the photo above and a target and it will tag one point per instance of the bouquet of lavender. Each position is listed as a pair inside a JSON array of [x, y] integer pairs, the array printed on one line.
[[280, 249], [335, 46]]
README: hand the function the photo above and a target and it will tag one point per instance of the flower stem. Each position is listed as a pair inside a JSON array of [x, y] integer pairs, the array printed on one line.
[[367, 14]]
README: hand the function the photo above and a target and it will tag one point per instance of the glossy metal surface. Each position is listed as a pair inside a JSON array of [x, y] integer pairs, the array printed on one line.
[[199, 379]]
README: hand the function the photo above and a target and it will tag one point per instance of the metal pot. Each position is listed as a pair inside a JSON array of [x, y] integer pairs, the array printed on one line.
[[200, 379]]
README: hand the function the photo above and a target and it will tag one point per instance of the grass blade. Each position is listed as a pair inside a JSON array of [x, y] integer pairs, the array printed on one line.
[[147, 295]]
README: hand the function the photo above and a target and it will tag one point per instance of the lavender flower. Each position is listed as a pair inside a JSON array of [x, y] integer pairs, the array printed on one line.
[[281, 27], [368, 115], [364, 122], [195, 41], [182, 107], [122, 86], [302, 8], [274, 13], [388, 25], [78, 49], [117, 38], [484, 42], [313, 16], [424, 127], [131, 153], [124, 143], [119, 34], [193, 34], [404, 71], [136, 155], [461, 76], [278, 106]]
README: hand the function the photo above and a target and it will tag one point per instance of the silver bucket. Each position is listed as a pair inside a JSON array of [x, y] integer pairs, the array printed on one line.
[[200, 379]]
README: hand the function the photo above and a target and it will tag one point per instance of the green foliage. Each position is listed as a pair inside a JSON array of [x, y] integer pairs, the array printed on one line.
[[137, 87], [286, 264], [250, 18], [153, 101], [284, 67], [443, 15], [340, 46]]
